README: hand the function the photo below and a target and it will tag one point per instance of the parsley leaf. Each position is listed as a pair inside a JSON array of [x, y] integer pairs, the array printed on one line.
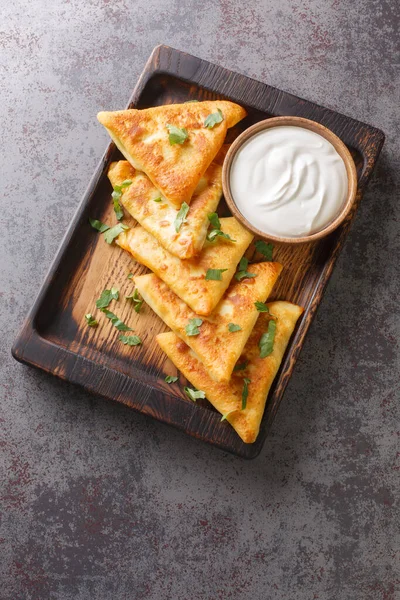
[[261, 307], [157, 199], [137, 300], [90, 320], [193, 327], [106, 297], [214, 220], [266, 343], [214, 233], [245, 391], [130, 340], [233, 327], [125, 183], [213, 119], [242, 272], [130, 276], [116, 321], [116, 196], [223, 418], [177, 135], [98, 225], [181, 216], [170, 379], [114, 232], [264, 249], [241, 366], [215, 274], [194, 394]]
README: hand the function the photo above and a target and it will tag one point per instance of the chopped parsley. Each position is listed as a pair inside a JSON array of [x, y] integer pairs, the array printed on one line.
[[192, 328], [106, 297], [194, 394], [116, 321], [98, 225], [214, 220], [137, 300], [90, 320], [265, 249], [114, 232], [116, 197], [177, 135], [157, 199], [130, 340], [245, 392], [215, 274], [233, 327], [213, 119], [170, 379], [261, 306], [242, 272], [181, 216], [266, 343], [216, 230], [241, 366]]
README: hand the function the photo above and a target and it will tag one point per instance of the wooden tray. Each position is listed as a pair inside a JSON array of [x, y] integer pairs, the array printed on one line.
[[55, 336]]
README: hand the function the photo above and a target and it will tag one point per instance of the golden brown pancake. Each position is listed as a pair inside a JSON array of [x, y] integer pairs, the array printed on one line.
[[227, 397], [216, 347], [158, 218], [187, 278], [175, 169]]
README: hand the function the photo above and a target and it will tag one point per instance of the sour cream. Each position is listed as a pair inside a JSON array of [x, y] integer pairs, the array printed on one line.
[[288, 181]]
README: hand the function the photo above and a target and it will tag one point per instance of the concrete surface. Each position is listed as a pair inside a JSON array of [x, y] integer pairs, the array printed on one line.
[[100, 502]]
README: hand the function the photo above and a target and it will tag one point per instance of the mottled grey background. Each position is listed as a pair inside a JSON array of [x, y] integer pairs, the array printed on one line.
[[100, 502]]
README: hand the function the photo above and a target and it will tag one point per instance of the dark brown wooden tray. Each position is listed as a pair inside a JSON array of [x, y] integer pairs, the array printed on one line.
[[55, 337]]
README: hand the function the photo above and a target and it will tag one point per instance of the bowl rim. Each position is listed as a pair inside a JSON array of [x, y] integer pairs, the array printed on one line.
[[316, 127]]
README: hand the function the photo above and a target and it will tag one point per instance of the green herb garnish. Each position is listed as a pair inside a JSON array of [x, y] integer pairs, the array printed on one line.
[[266, 343], [114, 232], [157, 199], [241, 366], [223, 418], [214, 119], [192, 328], [116, 197], [106, 297], [264, 249], [116, 321], [171, 379], [215, 274], [194, 394], [245, 392], [242, 272], [214, 233], [130, 340], [261, 306], [98, 225], [233, 327], [214, 220], [137, 300], [90, 320], [177, 135], [181, 216], [130, 276]]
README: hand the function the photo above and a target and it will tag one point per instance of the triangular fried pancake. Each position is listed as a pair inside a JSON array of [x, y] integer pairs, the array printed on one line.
[[175, 169], [158, 218], [187, 277], [227, 397], [216, 346]]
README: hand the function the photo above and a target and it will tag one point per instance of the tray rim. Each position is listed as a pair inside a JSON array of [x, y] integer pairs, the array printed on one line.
[[25, 347]]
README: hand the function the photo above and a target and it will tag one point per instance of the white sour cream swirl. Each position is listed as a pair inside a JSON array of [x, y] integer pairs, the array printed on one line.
[[288, 181]]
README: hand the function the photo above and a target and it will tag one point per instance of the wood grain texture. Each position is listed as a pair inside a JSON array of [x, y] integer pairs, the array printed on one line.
[[55, 336]]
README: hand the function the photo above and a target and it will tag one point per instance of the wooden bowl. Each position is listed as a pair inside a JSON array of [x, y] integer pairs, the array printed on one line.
[[305, 124]]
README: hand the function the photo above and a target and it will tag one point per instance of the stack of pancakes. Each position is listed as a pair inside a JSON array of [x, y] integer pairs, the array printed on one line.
[[194, 286]]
